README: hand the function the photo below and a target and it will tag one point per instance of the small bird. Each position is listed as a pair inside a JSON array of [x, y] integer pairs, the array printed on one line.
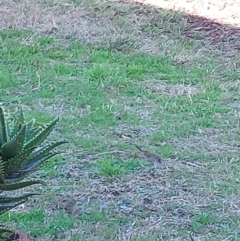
[[151, 157]]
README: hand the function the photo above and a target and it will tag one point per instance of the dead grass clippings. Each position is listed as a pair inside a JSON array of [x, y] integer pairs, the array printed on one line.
[[171, 90]]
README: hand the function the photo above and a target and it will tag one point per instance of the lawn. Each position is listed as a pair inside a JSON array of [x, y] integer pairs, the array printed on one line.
[[119, 74]]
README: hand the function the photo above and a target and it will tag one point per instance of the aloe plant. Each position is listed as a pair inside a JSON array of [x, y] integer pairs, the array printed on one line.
[[22, 151]]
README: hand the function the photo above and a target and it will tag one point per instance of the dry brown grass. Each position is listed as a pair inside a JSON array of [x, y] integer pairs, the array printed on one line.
[[122, 25]]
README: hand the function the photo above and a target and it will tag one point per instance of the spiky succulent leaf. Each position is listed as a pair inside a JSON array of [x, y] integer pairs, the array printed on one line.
[[18, 185], [40, 161], [18, 123], [43, 151], [5, 232], [17, 176], [30, 125], [8, 129], [3, 131], [20, 161], [30, 168], [16, 128], [9, 202], [4, 228], [31, 134], [14, 146], [18, 158], [31, 130], [7, 199], [20, 116], [41, 137], [4, 207], [2, 172]]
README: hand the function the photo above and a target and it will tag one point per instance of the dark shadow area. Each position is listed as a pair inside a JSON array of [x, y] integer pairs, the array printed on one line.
[[205, 29]]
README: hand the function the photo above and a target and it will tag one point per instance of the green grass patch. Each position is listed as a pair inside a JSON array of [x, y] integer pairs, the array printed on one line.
[[115, 168], [107, 102]]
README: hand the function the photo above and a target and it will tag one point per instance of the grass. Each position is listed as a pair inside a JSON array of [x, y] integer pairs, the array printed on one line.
[[176, 102]]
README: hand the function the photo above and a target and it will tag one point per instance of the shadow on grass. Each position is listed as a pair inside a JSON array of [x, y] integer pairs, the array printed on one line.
[[214, 31]]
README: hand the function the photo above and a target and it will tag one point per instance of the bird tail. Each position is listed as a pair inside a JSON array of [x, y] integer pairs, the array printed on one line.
[[138, 148]]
